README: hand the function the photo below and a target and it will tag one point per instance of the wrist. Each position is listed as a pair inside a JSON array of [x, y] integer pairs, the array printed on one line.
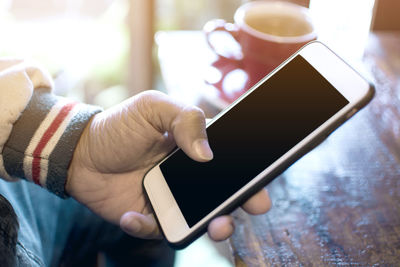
[[80, 155]]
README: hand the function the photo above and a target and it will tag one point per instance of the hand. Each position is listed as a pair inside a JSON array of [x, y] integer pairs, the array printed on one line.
[[120, 144]]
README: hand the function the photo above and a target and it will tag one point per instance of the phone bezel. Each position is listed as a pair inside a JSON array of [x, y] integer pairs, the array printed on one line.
[[357, 90]]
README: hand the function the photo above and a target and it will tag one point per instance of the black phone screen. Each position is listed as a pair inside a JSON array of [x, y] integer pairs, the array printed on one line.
[[251, 136]]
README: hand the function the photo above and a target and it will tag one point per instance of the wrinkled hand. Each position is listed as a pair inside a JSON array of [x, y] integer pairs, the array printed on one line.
[[120, 144]]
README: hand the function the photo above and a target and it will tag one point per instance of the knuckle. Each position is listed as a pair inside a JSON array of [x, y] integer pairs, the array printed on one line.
[[148, 102], [150, 96], [193, 113]]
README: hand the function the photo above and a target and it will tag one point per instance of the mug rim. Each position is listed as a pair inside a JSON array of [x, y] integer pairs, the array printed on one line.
[[240, 22]]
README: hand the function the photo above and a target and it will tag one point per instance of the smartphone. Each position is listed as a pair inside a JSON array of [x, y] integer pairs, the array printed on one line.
[[255, 139]]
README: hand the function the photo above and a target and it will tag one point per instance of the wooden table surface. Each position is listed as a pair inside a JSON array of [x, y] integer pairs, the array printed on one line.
[[339, 204]]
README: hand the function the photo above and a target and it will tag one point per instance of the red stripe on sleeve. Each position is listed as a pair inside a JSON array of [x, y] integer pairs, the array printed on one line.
[[62, 114]]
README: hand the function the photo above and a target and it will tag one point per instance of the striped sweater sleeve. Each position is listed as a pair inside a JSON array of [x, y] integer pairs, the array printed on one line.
[[41, 143]]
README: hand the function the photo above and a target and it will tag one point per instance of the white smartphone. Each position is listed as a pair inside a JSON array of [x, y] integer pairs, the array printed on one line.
[[256, 138]]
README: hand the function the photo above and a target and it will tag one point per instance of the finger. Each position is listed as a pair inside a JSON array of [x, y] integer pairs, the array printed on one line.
[[260, 203], [187, 124], [139, 225], [221, 228], [189, 130]]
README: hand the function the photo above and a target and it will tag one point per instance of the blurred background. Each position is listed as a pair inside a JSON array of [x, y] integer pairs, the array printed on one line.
[[103, 51], [92, 47]]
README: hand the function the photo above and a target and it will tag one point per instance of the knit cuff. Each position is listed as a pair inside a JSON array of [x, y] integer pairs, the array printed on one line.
[[43, 140]]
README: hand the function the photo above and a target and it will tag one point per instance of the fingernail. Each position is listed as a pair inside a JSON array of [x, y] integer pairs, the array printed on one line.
[[203, 149]]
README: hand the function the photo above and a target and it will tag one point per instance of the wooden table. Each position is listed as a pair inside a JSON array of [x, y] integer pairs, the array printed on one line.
[[339, 204]]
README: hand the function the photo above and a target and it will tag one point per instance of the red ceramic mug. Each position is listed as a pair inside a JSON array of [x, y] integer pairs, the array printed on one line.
[[267, 33]]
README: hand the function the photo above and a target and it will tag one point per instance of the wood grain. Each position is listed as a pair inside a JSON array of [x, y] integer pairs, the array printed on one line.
[[339, 204]]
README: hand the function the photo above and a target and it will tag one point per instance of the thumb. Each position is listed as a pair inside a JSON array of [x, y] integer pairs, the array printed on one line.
[[189, 131], [187, 124]]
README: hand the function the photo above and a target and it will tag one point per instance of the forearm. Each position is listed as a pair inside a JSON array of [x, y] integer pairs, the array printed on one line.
[[42, 134], [18, 79]]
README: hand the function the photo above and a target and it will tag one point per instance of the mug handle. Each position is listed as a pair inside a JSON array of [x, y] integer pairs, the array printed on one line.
[[221, 25]]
